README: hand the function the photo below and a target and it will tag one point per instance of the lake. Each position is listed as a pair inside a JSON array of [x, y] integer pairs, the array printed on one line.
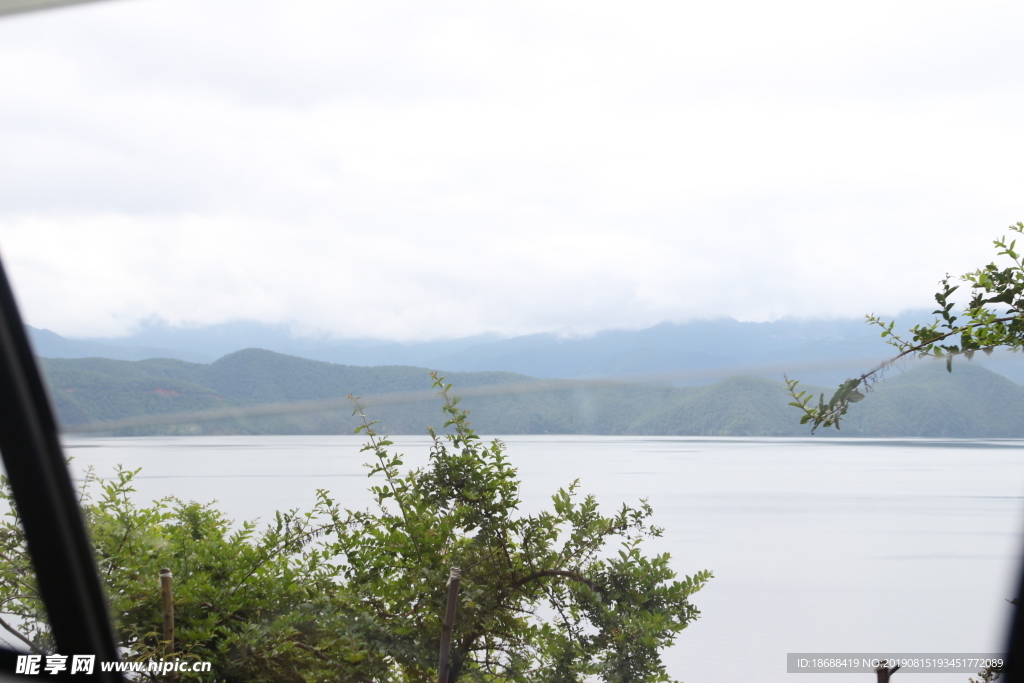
[[818, 545]]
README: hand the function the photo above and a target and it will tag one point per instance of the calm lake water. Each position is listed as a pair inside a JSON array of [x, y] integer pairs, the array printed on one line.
[[817, 545]]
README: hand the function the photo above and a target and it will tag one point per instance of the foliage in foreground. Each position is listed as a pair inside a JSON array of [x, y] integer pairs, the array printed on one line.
[[994, 318], [333, 594]]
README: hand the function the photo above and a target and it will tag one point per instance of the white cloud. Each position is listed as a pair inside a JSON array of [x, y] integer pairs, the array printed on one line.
[[414, 170]]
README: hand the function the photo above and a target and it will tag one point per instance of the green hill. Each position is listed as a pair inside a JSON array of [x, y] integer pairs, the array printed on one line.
[[926, 401]]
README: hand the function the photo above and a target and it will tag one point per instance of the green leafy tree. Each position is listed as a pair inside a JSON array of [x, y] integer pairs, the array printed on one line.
[[993, 318], [542, 597], [260, 606], [332, 594]]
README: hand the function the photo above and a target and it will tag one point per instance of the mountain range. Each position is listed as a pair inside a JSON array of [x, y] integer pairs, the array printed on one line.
[[308, 397], [824, 351]]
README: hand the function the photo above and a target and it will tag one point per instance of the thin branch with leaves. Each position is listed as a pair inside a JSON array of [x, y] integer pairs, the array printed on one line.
[[993, 319]]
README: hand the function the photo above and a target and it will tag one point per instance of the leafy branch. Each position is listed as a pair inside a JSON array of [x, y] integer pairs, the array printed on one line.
[[993, 318]]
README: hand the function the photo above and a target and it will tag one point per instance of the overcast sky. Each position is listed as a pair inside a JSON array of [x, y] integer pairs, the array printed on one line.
[[415, 170]]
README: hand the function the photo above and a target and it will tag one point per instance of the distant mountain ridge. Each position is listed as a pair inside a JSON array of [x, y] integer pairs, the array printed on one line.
[[694, 353], [972, 402], [49, 344]]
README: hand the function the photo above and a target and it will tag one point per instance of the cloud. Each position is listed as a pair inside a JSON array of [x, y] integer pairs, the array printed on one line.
[[424, 170]]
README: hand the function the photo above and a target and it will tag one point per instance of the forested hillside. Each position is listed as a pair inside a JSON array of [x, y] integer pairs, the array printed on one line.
[[926, 401]]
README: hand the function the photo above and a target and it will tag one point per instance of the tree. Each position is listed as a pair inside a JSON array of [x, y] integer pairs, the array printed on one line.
[[359, 595], [261, 606], [993, 318], [610, 614]]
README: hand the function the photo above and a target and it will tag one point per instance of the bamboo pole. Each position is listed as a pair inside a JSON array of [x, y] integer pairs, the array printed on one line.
[[449, 625], [884, 672], [167, 593]]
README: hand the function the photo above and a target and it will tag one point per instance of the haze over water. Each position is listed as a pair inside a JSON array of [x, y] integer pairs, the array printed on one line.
[[817, 545]]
